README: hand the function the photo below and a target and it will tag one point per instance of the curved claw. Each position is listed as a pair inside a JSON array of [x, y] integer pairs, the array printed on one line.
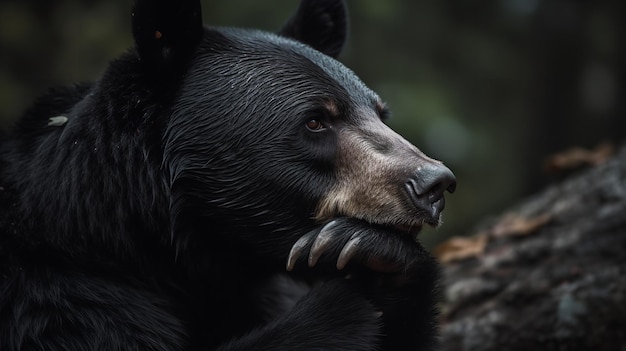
[[297, 248], [348, 251], [321, 242]]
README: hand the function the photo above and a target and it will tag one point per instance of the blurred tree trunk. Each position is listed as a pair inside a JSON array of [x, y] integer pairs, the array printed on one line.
[[578, 57], [548, 275]]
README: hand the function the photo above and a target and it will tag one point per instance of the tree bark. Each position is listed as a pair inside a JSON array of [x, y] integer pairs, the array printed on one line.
[[550, 274]]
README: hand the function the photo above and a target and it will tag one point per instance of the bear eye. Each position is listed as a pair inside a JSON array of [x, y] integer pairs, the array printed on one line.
[[315, 125]]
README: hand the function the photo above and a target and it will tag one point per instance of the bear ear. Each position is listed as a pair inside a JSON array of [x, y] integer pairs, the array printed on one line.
[[166, 31], [322, 24]]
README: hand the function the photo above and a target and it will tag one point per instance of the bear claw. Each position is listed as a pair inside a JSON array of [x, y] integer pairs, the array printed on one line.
[[348, 251], [373, 247], [297, 248], [321, 243]]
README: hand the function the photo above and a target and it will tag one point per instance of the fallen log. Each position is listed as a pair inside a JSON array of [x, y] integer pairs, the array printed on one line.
[[549, 274]]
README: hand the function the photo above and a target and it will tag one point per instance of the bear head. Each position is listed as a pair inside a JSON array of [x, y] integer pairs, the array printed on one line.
[[269, 134]]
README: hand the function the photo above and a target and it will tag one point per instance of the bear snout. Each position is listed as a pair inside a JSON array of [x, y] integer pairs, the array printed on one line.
[[426, 188]]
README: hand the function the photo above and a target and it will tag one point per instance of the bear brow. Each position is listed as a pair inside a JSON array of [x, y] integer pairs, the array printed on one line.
[[332, 108]]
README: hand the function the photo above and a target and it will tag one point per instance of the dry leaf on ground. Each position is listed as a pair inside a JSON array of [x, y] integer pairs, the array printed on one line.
[[460, 248]]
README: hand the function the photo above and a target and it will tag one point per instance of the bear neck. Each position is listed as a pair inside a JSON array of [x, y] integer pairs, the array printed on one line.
[[92, 185]]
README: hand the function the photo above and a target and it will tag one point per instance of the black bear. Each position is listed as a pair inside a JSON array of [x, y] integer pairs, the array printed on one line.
[[217, 189]]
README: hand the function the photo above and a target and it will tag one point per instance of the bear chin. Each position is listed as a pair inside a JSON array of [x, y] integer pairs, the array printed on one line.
[[412, 230]]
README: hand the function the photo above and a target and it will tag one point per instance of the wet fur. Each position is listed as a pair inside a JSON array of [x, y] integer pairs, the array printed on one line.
[[159, 216]]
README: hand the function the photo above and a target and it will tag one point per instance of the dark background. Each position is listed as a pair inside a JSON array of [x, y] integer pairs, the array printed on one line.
[[490, 87]]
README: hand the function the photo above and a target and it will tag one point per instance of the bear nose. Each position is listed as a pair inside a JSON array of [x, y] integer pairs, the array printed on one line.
[[427, 186]]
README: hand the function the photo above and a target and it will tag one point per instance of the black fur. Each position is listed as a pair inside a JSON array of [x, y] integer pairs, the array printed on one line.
[[159, 216]]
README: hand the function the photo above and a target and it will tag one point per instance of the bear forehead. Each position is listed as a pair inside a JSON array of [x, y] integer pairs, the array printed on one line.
[[268, 55]]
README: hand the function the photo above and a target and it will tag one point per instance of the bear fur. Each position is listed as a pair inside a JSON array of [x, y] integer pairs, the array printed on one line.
[[217, 189]]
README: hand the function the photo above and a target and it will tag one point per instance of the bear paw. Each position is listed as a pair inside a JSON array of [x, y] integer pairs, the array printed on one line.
[[345, 241]]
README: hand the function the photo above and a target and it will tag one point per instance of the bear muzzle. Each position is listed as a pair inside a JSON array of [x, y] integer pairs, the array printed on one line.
[[426, 188]]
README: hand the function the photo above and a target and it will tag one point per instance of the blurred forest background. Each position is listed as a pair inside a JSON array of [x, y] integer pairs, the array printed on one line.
[[491, 87]]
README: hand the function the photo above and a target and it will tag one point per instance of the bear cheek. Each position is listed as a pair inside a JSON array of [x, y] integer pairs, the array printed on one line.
[[369, 184]]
